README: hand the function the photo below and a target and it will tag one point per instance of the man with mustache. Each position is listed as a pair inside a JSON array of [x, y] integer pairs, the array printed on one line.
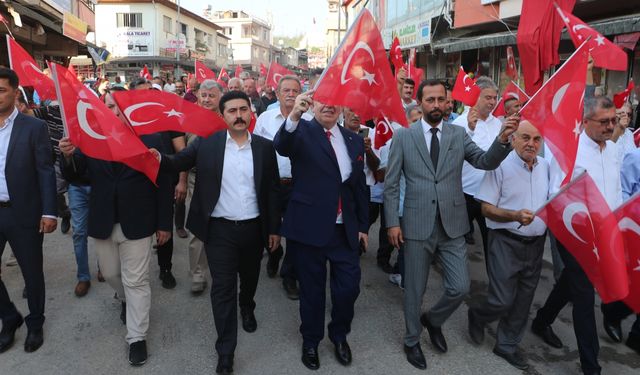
[[430, 155], [509, 196], [235, 211], [326, 221]]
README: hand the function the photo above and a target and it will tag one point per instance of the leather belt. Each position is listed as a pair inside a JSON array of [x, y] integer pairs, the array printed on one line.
[[286, 181], [6, 204], [235, 222], [517, 237]]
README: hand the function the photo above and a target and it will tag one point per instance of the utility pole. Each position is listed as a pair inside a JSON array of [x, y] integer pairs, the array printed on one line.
[[178, 30]]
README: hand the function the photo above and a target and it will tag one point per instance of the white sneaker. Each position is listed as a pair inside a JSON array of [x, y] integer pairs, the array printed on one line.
[[11, 260], [396, 279]]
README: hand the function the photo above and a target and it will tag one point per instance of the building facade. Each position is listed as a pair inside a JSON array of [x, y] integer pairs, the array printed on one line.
[[158, 33], [250, 37]]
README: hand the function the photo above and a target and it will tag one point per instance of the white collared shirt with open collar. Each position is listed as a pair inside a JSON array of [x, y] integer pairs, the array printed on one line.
[[5, 137]]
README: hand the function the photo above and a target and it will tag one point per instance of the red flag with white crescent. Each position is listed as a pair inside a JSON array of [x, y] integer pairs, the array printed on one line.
[[144, 73], [384, 132], [263, 70], [512, 71], [622, 97], [275, 73], [395, 53], [628, 217], [202, 72], [94, 129], [359, 75], [238, 71], [582, 221], [465, 89], [150, 111], [512, 91], [28, 71]]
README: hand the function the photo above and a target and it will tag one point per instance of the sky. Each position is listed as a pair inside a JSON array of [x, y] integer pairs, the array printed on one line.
[[289, 17]]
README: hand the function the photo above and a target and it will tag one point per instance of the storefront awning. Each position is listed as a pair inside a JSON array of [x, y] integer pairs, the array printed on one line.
[[619, 25]]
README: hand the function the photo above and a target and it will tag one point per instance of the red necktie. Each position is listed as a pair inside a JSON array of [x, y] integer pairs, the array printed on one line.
[[329, 134]]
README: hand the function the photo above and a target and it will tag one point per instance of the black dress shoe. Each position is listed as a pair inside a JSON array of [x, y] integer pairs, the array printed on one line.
[[633, 341], [273, 262], [168, 281], [435, 333], [515, 359], [249, 323], [415, 356], [310, 358], [123, 313], [138, 353], [8, 333], [225, 364], [343, 353], [291, 287], [65, 225], [613, 329], [547, 335], [34, 340], [476, 329]]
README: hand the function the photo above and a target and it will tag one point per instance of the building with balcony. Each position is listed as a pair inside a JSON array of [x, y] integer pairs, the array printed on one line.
[[250, 37], [158, 33]]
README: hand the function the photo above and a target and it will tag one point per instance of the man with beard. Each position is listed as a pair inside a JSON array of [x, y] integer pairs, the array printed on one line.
[[483, 128], [430, 155]]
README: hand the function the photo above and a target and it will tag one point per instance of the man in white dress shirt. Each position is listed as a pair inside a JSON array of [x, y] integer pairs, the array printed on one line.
[[483, 128], [509, 195], [598, 156]]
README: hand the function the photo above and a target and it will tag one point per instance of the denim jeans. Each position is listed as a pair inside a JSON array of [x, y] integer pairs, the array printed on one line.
[[79, 206]]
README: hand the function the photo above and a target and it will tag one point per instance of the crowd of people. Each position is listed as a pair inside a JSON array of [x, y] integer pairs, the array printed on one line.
[[309, 173]]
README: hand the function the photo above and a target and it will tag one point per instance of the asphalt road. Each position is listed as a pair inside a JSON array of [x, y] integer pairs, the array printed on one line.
[[85, 335]]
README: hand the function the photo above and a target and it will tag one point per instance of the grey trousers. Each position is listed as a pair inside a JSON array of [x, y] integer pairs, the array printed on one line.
[[198, 266], [452, 253], [514, 271]]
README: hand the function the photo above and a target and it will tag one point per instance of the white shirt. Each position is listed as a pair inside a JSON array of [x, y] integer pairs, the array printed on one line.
[[484, 135], [405, 105], [368, 173], [267, 125], [426, 129], [238, 199], [339, 147], [512, 186], [602, 165], [625, 143], [5, 137]]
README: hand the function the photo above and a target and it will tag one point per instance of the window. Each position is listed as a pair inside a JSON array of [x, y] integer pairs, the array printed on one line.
[[166, 24], [210, 40], [228, 30], [129, 19]]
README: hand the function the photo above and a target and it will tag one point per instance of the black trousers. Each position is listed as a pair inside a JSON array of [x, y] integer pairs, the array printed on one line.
[[617, 311], [574, 286], [165, 254], [232, 249], [26, 244], [179, 215], [474, 212], [384, 249], [287, 271]]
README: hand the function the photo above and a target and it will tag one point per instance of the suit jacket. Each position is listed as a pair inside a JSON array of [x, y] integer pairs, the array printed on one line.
[[31, 178], [123, 195], [207, 155], [429, 189], [311, 212]]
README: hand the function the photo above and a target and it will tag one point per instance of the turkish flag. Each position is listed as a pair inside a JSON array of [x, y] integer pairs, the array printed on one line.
[[238, 71], [252, 124], [28, 71], [581, 220], [202, 72], [556, 109], [144, 73], [628, 217], [384, 132], [622, 97], [539, 39], [72, 70], [395, 53], [223, 74], [95, 130], [263, 70], [512, 71], [512, 91], [359, 75], [604, 52], [276, 71], [151, 111], [465, 89]]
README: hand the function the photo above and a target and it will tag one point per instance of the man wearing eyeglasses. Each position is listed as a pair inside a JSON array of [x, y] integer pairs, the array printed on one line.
[[598, 156]]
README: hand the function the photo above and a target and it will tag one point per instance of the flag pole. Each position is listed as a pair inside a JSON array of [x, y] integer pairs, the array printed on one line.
[[346, 35]]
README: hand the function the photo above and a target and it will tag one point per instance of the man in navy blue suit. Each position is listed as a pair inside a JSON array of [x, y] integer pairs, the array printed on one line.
[[326, 220], [27, 209]]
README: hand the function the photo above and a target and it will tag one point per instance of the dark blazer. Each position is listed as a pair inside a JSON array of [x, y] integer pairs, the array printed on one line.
[[207, 155], [124, 195], [31, 178], [311, 212]]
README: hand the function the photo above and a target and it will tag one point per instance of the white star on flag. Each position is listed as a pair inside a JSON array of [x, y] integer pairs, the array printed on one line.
[[173, 113], [467, 88], [369, 77], [600, 40], [576, 130]]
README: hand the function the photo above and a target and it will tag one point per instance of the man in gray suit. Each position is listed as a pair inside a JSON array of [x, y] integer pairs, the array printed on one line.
[[430, 154]]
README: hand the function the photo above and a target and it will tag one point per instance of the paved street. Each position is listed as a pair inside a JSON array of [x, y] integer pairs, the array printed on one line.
[[85, 336]]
